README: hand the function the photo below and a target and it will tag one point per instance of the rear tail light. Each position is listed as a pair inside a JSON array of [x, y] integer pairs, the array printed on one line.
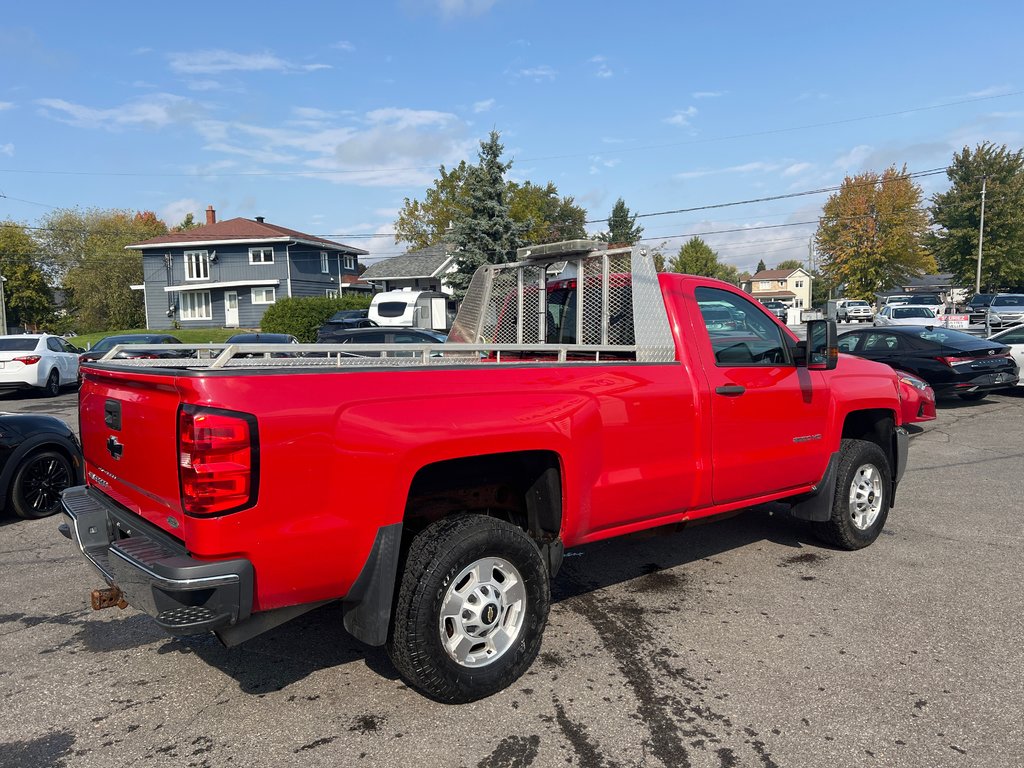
[[951, 361], [28, 359], [218, 460]]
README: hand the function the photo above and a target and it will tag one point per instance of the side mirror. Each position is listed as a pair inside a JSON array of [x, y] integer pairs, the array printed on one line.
[[822, 352]]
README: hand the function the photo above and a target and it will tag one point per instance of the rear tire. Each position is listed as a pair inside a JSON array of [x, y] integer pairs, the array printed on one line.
[[861, 502], [471, 608], [37, 485], [52, 386]]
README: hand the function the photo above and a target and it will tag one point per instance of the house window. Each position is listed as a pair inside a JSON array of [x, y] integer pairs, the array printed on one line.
[[765, 285], [799, 283], [350, 262], [325, 266], [261, 255], [197, 265], [196, 305], [798, 303], [263, 295], [332, 293], [782, 283]]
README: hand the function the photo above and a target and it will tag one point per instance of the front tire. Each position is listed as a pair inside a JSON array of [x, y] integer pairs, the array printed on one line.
[[471, 608], [862, 498], [38, 482]]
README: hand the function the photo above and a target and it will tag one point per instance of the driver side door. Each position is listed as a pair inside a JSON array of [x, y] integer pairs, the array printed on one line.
[[768, 417]]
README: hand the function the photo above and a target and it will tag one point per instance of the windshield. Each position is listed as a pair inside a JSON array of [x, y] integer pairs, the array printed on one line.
[[1008, 301], [856, 304], [928, 298], [112, 341], [18, 345]]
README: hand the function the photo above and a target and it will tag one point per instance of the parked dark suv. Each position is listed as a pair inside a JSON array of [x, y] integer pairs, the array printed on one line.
[[977, 307]]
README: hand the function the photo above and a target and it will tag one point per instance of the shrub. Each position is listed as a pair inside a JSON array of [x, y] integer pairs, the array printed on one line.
[[302, 316]]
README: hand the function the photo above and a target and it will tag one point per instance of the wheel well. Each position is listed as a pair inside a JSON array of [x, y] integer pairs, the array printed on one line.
[[524, 488], [874, 425]]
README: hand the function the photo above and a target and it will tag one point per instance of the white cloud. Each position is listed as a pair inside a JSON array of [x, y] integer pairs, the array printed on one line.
[[483, 106], [797, 168], [344, 45], [681, 117], [854, 159], [204, 85], [6, 105], [7, 149], [707, 94], [598, 163], [755, 167], [992, 90], [538, 74], [218, 61], [154, 111], [603, 70], [174, 212], [451, 8]]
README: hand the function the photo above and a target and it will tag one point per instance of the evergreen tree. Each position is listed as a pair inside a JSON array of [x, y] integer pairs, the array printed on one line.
[[956, 214], [760, 266], [486, 233], [622, 226]]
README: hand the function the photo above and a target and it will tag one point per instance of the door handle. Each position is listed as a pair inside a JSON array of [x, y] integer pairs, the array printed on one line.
[[730, 390]]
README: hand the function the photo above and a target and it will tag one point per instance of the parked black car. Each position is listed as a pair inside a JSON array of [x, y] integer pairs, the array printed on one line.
[[263, 338], [977, 307], [150, 340], [39, 458], [952, 362], [343, 320]]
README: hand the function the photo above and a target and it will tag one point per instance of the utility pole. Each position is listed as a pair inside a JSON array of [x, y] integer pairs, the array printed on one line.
[[981, 235]]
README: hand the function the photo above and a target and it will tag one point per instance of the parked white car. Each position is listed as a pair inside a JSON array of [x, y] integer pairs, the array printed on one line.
[[904, 314], [932, 301], [37, 361], [1014, 339], [902, 298], [854, 311]]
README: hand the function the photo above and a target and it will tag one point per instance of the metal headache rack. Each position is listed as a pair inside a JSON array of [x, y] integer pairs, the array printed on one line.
[[577, 301]]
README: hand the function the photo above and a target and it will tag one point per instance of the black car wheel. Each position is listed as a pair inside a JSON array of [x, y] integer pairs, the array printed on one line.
[[38, 482], [52, 387], [471, 608]]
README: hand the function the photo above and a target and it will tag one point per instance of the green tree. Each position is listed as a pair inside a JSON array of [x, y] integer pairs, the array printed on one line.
[[421, 224], [85, 251], [790, 264], [622, 226], [486, 233], [956, 215], [189, 222], [696, 257], [760, 266], [550, 218], [870, 235], [28, 297]]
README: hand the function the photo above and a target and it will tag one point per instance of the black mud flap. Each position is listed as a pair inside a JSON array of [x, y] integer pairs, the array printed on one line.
[[368, 603]]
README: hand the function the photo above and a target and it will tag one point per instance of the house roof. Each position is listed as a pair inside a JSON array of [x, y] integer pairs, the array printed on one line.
[[776, 274], [240, 229], [425, 262], [776, 294]]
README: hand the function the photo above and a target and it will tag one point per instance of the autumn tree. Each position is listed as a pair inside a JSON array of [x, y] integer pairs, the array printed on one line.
[[956, 215], [870, 233], [486, 233], [85, 251], [28, 298], [550, 218], [622, 226]]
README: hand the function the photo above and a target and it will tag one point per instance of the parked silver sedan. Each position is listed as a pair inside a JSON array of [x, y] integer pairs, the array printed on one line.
[[903, 314], [1006, 309]]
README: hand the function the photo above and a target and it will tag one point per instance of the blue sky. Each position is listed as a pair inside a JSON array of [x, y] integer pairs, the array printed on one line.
[[324, 116]]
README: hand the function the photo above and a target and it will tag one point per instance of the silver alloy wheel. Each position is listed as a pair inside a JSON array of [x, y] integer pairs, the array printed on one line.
[[483, 612], [865, 496]]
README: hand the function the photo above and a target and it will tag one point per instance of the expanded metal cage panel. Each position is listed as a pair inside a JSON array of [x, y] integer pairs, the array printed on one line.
[[600, 297]]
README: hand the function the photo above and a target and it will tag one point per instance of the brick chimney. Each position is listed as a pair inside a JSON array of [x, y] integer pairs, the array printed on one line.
[[211, 215]]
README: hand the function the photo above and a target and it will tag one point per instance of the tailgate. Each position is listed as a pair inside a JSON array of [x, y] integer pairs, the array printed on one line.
[[128, 425]]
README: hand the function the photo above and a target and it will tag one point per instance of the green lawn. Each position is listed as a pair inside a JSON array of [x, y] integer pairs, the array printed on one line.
[[187, 335]]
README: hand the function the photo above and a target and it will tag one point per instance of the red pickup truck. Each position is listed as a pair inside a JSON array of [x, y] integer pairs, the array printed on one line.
[[581, 395]]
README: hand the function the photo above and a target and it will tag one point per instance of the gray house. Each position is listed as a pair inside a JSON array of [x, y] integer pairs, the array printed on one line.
[[226, 274], [421, 270]]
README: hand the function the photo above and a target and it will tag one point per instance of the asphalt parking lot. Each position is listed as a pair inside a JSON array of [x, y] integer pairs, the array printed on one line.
[[742, 642]]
